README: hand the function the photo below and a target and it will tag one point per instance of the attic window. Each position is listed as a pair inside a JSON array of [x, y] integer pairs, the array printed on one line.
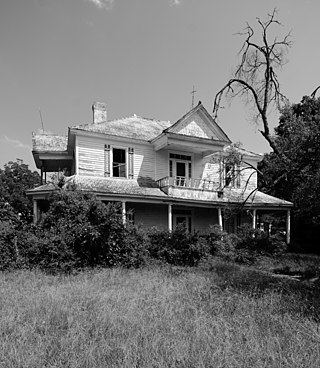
[[119, 163]]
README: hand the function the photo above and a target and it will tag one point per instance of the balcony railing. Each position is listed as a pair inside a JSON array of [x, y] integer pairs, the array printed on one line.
[[191, 183]]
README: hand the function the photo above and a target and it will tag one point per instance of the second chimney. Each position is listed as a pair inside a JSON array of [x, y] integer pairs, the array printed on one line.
[[99, 110]]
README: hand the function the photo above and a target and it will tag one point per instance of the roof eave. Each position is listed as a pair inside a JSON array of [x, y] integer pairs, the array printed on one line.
[[101, 135]]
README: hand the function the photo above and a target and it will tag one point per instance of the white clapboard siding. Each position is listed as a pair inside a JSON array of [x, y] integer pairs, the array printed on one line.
[[162, 164], [197, 166], [144, 161], [90, 156], [249, 178], [212, 172]]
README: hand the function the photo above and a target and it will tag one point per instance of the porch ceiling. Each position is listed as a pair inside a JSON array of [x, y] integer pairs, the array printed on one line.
[[53, 161]]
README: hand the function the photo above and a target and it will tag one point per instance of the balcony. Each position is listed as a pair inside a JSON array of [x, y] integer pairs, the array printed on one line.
[[190, 183], [190, 188]]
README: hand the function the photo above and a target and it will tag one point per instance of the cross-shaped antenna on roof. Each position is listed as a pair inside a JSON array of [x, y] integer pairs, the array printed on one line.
[[193, 93]]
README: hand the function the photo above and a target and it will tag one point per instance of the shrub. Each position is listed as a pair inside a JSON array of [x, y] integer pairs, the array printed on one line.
[[9, 224], [219, 243], [254, 242], [178, 247], [8, 251]]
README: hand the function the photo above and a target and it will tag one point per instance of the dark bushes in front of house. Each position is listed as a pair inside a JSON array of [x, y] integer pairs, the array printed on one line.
[[78, 231]]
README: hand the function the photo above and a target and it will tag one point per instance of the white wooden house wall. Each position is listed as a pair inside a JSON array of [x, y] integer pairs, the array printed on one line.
[[90, 153], [91, 156]]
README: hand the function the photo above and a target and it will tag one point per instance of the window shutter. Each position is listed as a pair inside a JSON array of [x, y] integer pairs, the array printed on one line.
[[107, 160], [130, 163]]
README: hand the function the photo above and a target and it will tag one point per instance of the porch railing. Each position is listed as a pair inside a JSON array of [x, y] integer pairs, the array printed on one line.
[[191, 183]]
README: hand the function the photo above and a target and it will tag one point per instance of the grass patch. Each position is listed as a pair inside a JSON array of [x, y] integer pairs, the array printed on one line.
[[216, 315]]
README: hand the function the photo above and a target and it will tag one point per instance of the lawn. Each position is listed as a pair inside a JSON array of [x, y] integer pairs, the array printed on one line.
[[216, 315]]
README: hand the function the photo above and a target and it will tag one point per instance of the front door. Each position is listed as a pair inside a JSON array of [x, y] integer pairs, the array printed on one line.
[[183, 220], [182, 217], [181, 173]]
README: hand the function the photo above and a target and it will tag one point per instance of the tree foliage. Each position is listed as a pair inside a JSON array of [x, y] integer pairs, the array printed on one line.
[[298, 179], [15, 179]]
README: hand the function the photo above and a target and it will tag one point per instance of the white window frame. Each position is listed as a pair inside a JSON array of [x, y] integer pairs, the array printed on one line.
[[175, 160], [112, 147], [235, 178]]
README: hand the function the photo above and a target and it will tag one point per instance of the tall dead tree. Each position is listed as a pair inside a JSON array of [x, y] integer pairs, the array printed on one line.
[[255, 78]]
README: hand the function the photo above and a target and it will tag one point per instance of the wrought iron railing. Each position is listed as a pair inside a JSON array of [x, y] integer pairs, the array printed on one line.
[[191, 183]]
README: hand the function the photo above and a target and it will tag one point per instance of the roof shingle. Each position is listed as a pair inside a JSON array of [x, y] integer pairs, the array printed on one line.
[[135, 127]]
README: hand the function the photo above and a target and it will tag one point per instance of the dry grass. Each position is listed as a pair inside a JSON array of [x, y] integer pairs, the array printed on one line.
[[213, 316]]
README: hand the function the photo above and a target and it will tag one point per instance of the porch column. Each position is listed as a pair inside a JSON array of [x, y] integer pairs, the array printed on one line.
[[170, 217], [288, 227], [35, 212], [220, 218], [254, 219], [124, 212]]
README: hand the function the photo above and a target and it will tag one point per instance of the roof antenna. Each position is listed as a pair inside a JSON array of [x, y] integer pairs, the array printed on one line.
[[193, 93], [41, 120]]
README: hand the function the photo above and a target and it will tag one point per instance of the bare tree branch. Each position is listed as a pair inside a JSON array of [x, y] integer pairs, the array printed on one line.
[[255, 78], [313, 94]]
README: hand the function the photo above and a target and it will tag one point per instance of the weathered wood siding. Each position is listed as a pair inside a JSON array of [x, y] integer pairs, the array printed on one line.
[[144, 161], [204, 217], [211, 170], [162, 164], [91, 157], [249, 178], [148, 215]]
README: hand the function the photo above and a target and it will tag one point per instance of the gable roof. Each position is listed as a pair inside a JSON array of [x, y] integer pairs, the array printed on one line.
[[135, 127], [207, 127]]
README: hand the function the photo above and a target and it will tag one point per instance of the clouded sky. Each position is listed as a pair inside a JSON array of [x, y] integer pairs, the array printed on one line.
[[138, 56]]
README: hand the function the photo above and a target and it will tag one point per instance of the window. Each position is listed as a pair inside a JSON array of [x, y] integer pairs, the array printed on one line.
[[180, 157], [119, 169], [231, 175], [180, 168]]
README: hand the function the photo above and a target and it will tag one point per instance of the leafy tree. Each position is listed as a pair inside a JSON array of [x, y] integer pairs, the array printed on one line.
[[15, 179], [298, 179]]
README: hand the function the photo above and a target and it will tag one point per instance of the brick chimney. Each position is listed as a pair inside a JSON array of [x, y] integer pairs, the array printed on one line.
[[99, 110]]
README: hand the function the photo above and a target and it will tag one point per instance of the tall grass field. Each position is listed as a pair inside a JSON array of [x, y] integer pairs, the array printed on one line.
[[216, 315]]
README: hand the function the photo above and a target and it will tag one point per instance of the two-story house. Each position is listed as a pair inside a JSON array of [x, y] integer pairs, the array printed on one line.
[[162, 173]]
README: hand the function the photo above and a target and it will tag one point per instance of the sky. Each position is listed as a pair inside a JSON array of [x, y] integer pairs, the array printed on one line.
[[140, 57]]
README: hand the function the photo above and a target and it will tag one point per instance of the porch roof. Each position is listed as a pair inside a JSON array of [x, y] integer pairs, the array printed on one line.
[[147, 189]]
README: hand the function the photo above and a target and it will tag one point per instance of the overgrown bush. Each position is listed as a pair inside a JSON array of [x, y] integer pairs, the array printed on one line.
[[219, 243], [9, 224], [251, 243], [79, 231], [8, 258], [178, 247]]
